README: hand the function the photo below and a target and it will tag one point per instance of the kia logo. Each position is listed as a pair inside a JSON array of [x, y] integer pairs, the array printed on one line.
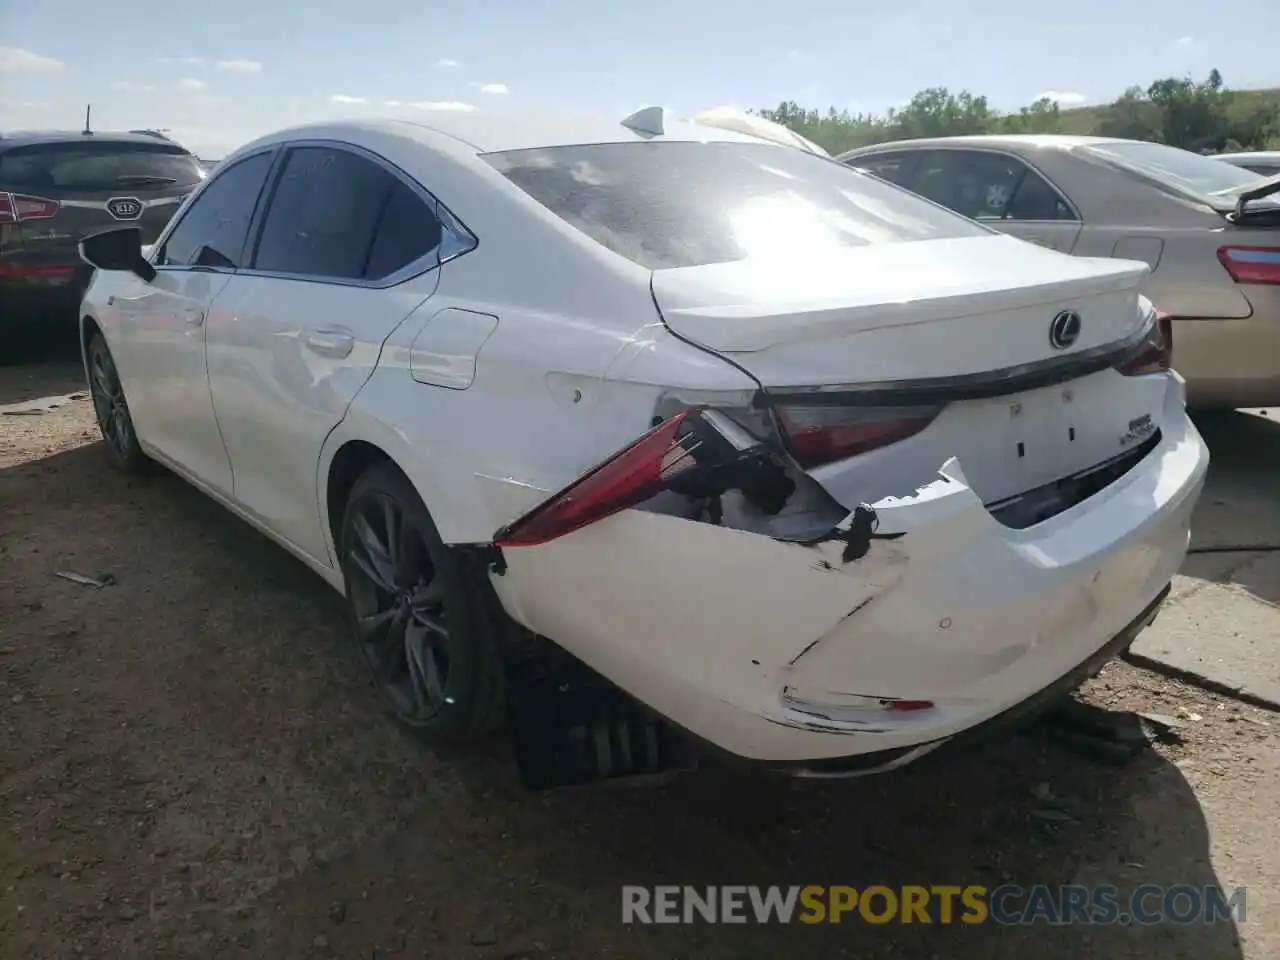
[[125, 208], [1064, 330]]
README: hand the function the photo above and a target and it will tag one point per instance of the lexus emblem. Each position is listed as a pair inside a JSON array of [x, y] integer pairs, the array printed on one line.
[[1064, 330], [125, 208]]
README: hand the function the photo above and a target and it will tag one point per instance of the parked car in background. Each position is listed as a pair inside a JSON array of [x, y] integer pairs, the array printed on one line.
[[1209, 231], [56, 187], [1263, 162], [817, 470]]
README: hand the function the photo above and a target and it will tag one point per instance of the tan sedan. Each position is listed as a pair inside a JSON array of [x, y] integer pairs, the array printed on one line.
[[1210, 232]]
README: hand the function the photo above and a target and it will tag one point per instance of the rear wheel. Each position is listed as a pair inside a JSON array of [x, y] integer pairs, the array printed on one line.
[[425, 619], [112, 410]]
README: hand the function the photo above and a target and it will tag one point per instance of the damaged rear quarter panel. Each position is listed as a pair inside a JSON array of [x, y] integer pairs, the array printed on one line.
[[660, 602]]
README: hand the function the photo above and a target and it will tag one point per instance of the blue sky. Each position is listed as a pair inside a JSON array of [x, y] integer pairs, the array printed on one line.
[[219, 74]]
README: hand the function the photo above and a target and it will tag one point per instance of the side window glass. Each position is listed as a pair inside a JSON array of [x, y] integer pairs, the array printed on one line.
[[1036, 200], [213, 230], [407, 230], [893, 167], [976, 185], [323, 214]]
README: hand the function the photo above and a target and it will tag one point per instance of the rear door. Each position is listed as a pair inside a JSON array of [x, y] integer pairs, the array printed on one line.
[[1000, 190], [346, 250], [76, 187]]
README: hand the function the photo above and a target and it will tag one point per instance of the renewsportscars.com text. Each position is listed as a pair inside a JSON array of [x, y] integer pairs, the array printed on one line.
[[936, 904]]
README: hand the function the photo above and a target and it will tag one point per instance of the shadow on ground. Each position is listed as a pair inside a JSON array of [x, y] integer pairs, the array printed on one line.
[[199, 742], [1240, 507]]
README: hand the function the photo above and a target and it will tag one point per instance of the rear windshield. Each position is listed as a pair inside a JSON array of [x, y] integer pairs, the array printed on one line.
[[98, 165], [685, 204], [1180, 169]]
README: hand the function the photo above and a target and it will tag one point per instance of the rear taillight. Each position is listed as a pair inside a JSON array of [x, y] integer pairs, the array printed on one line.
[[1251, 264], [696, 456], [18, 208], [633, 476], [818, 435], [35, 271], [1156, 353]]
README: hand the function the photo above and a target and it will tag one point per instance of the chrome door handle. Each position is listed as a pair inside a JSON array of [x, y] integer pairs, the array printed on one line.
[[330, 343], [192, 316]]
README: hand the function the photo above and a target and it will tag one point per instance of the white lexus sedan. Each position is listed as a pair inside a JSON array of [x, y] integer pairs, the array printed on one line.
[[809, 467]]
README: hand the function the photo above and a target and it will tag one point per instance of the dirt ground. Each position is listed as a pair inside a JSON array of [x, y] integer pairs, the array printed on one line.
[[192, 764]]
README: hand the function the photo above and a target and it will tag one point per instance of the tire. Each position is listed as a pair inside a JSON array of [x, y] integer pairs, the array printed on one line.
[[112, 410], [429, 623]]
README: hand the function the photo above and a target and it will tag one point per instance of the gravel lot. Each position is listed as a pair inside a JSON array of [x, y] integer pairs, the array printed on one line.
[[192, 764]]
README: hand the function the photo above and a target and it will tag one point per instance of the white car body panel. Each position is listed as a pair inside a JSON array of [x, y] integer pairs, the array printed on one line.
[[159, 336], [961, 610], [507, 373]]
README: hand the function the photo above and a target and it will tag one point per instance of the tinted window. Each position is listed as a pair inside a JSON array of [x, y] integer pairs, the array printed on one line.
[[1262, 169], [893, 167], [323, 214], [212, 231], [1035, 199], [407, 230], [680, 204], [95, 165]]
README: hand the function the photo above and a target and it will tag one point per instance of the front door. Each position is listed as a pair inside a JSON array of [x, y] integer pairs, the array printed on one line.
[[163, 323]]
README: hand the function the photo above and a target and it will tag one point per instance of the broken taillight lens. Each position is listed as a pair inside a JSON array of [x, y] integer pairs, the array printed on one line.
[[817, 435], [699, 453], [1156, 353]]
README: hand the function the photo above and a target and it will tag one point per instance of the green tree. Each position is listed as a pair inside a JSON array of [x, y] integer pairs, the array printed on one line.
[[1197, 115]]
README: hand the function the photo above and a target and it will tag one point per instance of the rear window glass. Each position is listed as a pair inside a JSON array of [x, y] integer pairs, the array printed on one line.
[[684, 204], [1180, 169], [98, 165]]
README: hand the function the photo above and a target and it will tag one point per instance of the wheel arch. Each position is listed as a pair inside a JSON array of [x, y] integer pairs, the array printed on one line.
[[357, 443], [88, 327]]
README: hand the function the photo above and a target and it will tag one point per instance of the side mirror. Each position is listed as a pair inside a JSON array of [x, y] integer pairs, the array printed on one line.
[[117, 249]]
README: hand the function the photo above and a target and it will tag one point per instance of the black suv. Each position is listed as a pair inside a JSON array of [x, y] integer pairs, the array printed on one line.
[[57, 187]]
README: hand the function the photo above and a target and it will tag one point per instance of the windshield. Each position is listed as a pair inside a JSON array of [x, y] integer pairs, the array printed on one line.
[[1180, 169], [684, 204]]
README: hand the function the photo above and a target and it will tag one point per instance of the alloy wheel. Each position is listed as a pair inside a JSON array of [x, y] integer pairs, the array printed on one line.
[[109, 404], [398, 601]]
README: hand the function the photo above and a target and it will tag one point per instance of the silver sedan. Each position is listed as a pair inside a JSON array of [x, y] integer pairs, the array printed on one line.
[[1210, 231], [1265, 162]]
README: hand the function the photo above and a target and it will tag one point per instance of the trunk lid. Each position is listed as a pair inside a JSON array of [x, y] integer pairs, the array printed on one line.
[[945, 346], [900, 311]]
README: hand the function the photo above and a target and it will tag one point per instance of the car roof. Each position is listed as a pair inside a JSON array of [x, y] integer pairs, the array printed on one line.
[[17, 138], [1050, 141], [1252, 155], [487, 132]]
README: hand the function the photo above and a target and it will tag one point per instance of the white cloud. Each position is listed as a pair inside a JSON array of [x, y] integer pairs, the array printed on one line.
[[491, 87], [239, 66], [455, 106], [17, 60], [1063, 98], [1185, 41], [190, 83], [34, 105], [343, 98], [183, 61], [448, 63], [130, 86]]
